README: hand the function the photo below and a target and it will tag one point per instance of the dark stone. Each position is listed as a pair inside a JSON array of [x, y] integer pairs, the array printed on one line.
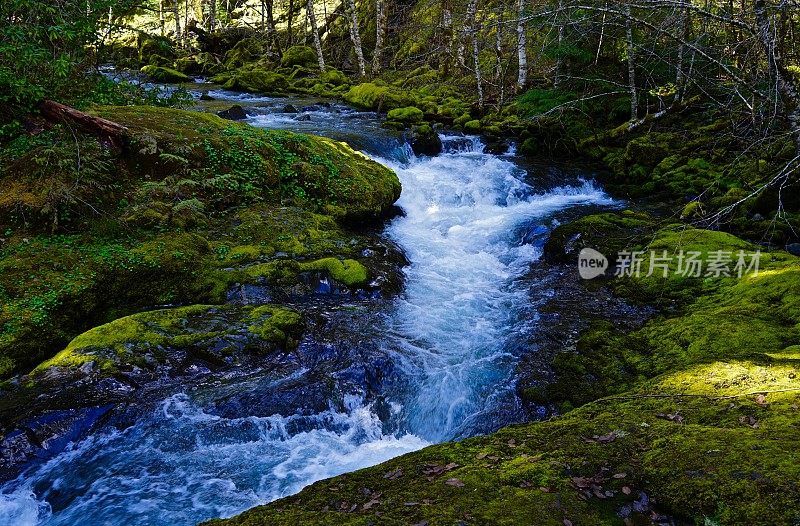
[[234, 113], [207, 97], [496, 148], [303, 117], [425, 141], [290, 108], [793, 249]]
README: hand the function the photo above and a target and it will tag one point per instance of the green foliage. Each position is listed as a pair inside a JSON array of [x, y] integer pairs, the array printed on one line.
[[45, 50]]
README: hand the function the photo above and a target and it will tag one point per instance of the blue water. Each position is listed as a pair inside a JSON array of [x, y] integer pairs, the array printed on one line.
[[454, 330]]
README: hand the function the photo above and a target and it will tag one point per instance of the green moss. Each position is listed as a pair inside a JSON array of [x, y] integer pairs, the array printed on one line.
[[299, 56], [334, 77], [163, 74], [276, 324], [147, 336], [473, 126], [408, 115], [348, 271], [258, 81]]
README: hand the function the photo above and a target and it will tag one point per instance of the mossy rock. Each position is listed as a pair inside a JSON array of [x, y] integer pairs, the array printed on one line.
[[408, 115], [245, 51], [378, 97], [155, 45], [149, 338], [473, 126], [333, 77], [299, 56], [258, 81], [162, 74]]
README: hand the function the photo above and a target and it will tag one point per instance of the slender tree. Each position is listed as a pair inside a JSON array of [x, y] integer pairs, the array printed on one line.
[[356, 37], [380, 34], [312, 19], [522, 44]]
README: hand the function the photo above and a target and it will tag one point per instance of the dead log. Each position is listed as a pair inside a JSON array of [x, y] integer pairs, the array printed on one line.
[[109, 132]]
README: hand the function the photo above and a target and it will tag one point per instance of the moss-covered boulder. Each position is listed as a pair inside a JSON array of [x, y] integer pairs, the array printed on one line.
[[299, 56], [148, 340], [424, 140], [378, 97], [333, 77], [407, 115], [154, 45], [163, 74], [258, 81], [245, 51]]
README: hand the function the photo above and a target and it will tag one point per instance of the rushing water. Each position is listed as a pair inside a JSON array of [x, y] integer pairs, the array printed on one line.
[[453, 331]]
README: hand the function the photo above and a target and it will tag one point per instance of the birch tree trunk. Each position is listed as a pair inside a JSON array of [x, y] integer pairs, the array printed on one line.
[[212, 15], [161, 20], [522, 43], [312, 19], [471, 30], [356, 38], [631, 64], [380, 35]]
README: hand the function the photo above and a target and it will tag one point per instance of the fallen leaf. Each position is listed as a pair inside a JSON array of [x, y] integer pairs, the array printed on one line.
[[567, 522], [454, 482], [626, 490], [761, 400], [620, 475], [481, 456]]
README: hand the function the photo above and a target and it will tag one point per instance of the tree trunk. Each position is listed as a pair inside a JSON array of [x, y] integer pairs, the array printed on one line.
[[312, 19], [356, 38], [380, 35], [559, 61], [522, 43], [631, 65], [679, 76], [177, 13], [106, 130], [787, 87], [471, 29], [447, 26], [212, 15], [290, 23], [161, 20]]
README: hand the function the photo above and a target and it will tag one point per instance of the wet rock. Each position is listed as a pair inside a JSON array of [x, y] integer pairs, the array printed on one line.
[[206, 97], [793, 249], [234, 113], [290, 108], [496, 148], [303, 117], [425, 141], [249, 294]]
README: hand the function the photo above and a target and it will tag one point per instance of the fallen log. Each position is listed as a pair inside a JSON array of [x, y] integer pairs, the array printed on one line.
[[107, 131]]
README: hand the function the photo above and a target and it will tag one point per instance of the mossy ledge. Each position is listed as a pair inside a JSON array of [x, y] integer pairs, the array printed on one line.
[[186, 211], [693, 417]]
